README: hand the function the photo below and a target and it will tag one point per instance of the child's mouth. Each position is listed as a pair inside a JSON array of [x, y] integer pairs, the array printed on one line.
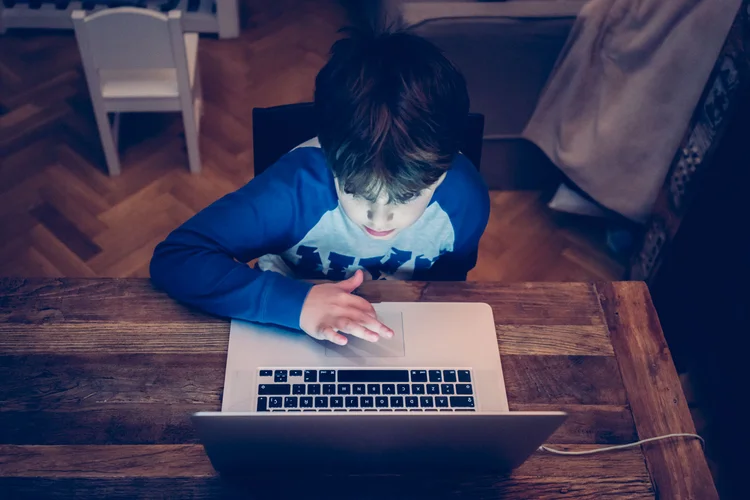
[[379, 234]]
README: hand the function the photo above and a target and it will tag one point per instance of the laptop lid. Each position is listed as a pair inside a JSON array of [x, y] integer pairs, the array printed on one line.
[[256, 443]]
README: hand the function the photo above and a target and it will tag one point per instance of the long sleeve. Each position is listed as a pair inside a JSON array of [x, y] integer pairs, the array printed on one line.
[[465, 198], [203, 263]]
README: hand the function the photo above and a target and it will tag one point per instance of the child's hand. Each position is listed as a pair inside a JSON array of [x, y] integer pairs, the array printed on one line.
[[331, 308]]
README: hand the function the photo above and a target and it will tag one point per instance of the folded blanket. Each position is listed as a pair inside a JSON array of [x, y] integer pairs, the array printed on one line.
[[622, 93]]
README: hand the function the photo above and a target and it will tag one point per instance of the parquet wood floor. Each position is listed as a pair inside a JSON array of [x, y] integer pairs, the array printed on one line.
[[61, 215]]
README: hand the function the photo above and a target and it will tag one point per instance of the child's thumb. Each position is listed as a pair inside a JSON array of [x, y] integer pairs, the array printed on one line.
[[353, 282]]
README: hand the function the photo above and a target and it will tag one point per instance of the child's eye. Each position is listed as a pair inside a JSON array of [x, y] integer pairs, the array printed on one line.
[[409, 198]]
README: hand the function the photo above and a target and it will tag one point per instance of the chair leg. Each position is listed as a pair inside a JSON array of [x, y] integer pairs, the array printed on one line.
[[109, 143], [198, 98], [190, 120]]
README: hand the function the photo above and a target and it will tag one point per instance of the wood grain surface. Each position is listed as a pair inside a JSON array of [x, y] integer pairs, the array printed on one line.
[[656, 397], [100, 377]]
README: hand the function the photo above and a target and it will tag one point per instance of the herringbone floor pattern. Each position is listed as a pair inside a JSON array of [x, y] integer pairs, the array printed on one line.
[[61, 215]]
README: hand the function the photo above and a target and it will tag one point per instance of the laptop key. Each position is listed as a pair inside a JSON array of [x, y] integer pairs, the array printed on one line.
[[337, 402], [436, 376], [311, 375], [441, 402], [417, 388], [329, 389], [274, 402], [274, 390], [279, 376], [262, 404], [412, 402], [373, 388], [464, 376], [290, 402], [345, 389], [449, 375], [425, 401], [366, 402], [313, 389], [397, 401], [266, 373], [403, 388], [464, 409], [381, 402], [346, 375], [351, 401], [419, 375], [358, 389], [463, 389], [462, 401], [446, 388], [306, 402], [321, 402], [389, 389], [295, 373], [298, 389], [433, 389], [327, 375]]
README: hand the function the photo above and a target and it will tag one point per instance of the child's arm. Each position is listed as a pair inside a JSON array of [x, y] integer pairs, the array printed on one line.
[[465, 198], [203, 262], [455, 265]]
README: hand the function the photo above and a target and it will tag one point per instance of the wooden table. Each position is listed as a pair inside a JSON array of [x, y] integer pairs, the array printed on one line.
[[98, 377]]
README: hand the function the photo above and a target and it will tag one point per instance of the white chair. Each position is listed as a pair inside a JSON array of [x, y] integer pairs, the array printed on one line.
[[139, 60]]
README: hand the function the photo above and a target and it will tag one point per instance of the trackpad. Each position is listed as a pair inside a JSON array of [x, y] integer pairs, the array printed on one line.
[[383, 348]]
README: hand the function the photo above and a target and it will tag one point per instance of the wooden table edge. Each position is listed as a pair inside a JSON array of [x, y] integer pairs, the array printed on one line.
[[677, 467]]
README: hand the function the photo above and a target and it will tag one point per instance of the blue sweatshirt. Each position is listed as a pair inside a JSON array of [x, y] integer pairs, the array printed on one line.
[[289, 218]]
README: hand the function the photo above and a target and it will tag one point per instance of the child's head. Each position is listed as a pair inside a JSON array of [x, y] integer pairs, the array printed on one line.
[[391, 111]]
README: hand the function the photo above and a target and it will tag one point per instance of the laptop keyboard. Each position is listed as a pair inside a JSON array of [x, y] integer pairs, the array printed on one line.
[[357, 390]]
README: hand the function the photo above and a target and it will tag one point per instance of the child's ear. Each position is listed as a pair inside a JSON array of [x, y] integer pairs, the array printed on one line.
[[439, 181]]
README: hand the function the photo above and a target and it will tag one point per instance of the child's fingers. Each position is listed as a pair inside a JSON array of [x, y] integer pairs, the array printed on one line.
[[332, 335], [351, 284], [373, 324], [357, 330]]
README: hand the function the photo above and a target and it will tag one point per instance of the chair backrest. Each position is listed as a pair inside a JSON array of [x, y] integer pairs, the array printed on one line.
[[278, 129], [129, 38]]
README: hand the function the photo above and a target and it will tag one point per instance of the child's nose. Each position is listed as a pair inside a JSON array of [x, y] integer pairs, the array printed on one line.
[[379, 215]]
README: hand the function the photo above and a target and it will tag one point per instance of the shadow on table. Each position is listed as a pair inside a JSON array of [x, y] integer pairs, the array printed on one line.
[[294, 485]]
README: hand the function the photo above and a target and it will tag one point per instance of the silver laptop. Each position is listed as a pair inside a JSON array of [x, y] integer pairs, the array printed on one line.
[[432, 396]]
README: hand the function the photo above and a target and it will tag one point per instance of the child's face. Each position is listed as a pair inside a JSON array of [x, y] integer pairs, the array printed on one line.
[[380, 219]]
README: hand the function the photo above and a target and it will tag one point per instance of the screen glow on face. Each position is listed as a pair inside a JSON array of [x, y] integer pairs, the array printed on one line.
[[383, 220]]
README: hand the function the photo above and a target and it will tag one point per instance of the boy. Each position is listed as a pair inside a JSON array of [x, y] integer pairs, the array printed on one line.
[[381, 193]]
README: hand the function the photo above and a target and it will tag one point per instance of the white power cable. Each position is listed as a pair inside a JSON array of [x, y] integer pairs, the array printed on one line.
[[623, 446]]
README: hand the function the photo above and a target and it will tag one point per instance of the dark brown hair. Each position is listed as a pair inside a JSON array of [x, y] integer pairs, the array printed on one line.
[[391, 110]]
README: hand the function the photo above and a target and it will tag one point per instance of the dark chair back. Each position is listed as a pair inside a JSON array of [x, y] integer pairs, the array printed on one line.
[[278, 129]]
